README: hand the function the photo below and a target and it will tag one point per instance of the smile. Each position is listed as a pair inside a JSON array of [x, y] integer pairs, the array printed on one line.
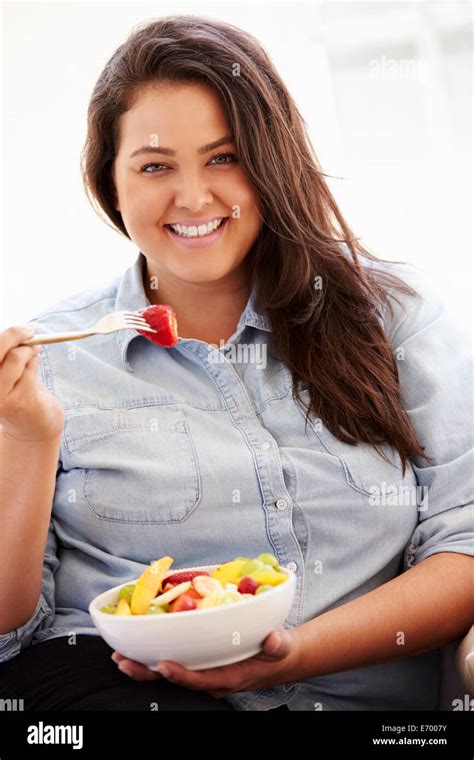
[[198, 236], [196, 231]]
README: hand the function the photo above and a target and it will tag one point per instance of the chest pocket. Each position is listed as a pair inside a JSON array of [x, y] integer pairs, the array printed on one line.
[[136, 465], [360, 467], [364, 468]]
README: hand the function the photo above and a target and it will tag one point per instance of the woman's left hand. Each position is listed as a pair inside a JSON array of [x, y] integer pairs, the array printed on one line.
[[275, 664]]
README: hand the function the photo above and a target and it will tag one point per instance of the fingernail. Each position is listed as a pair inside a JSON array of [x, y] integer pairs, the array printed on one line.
[[124, 668], [164, 670], [114, 657]]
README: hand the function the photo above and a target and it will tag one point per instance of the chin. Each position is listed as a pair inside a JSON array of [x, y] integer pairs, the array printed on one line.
[[199, 272]]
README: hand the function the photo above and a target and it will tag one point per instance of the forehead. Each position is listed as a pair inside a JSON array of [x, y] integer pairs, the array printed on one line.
[[180, 115]]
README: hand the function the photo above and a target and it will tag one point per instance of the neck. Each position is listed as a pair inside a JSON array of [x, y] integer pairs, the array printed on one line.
[[207, 311]]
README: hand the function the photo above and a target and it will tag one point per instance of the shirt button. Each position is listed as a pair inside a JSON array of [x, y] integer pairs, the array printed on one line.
[[281, 504], [292, 566], [264, 446]]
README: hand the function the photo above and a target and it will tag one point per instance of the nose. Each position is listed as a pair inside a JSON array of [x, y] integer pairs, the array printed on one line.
[[192, 192]]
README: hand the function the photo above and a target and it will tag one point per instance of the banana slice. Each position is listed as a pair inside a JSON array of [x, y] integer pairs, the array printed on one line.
[[205, 585], [211, 600], [173, 593]]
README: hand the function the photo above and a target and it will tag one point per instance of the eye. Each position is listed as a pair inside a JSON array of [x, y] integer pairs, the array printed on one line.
[[229, 159], [147, 166], [231, 156]]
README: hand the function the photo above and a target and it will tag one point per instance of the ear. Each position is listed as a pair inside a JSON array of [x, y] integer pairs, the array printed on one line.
[[114, 190]]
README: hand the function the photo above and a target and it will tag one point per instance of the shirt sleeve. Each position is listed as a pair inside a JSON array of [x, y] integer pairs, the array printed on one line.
[[12, 642], [435, 373]]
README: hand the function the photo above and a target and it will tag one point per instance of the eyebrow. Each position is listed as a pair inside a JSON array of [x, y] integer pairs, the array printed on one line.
[[227, 140]]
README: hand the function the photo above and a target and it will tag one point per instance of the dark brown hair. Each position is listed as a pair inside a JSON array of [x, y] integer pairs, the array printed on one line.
[[331, 337]]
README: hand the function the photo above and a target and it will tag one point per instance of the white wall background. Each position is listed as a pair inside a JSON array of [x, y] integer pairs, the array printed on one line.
[[385, 88]]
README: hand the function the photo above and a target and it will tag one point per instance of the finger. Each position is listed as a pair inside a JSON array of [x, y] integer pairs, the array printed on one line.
[[279, 643], [276, 646], [219, 694], [14, 366], [225, 676], [26, 386], [137, 671], [12, 337]]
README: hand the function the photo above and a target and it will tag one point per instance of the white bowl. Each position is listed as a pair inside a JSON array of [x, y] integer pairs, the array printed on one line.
[[196, 639]]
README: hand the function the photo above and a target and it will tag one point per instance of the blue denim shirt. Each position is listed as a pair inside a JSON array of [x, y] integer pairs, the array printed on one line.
[[201, 453]]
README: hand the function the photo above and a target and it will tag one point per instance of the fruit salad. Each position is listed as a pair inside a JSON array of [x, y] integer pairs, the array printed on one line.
[[161, 318], [156, 592]]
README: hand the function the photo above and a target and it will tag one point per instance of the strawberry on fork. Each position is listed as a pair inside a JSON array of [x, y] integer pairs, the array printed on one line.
[[161, 318]]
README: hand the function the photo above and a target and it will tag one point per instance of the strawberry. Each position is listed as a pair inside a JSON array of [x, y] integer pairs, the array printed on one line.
[[247, 585], [193, 594], [183, 603], [163, 319], [186, 575]]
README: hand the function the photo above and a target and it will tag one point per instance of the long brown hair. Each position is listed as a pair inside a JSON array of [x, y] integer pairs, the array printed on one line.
[[323, 303]]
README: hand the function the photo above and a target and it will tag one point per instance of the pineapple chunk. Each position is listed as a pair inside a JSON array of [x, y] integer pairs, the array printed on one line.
[[229, 571], [268, 576], [149, 584], [123, 608]]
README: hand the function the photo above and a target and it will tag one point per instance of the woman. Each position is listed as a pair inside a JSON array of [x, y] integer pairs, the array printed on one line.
[[314, 407]]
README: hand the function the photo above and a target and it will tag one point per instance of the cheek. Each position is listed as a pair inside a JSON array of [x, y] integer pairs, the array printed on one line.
[[249, 205], [145, 207], [250, 220], [235, 190]]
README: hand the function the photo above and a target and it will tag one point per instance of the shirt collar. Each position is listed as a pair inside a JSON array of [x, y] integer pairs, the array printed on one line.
[[131, 296]]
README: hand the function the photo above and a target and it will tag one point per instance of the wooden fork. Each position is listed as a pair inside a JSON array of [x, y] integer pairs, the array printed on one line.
[[116, 320]]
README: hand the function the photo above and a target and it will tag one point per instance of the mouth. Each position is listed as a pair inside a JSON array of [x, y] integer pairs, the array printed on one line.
[[197, 236], [196, 231]]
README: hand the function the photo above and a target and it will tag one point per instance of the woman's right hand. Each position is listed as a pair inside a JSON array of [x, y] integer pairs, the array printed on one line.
[[28, 411]]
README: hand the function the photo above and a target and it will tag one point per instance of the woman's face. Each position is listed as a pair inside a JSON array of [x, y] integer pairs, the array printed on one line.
[[176, 177]]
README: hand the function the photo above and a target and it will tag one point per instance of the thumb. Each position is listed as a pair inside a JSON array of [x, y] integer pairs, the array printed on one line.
[[278, 644]]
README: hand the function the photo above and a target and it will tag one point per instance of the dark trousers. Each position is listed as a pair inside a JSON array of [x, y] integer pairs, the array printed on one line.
[[57, 675]]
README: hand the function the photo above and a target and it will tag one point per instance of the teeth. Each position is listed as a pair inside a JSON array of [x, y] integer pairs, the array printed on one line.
[[193, 231]]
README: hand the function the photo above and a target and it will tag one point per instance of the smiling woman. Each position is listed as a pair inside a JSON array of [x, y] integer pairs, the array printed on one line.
[[173, 83], [196, 152]]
